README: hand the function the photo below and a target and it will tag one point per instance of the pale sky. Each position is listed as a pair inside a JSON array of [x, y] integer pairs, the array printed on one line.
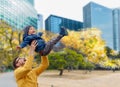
[[71, 9]]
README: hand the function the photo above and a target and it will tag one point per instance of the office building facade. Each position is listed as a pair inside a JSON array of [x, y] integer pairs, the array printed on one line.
[[40, 22], [116, 28], [100, 17], [18, 13], [30, 1], [53, 24]]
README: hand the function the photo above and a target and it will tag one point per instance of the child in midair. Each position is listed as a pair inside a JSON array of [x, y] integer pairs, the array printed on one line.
[[43, 48]]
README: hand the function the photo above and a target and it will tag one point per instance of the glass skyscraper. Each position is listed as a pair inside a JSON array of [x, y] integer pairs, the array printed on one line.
[[40, 22], [31, 2], [98, 16], [116, 28], [18, 13], [53, 24]]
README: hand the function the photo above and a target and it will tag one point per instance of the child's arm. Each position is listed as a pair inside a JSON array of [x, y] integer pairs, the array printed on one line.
[[25, 42]]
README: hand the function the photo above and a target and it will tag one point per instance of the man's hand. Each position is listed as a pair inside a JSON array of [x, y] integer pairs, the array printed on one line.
[[32, 47]]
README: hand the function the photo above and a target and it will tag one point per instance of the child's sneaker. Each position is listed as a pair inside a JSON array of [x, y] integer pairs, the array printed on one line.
[[63, 31]]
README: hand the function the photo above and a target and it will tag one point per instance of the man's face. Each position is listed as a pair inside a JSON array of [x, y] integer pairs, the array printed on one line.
[[31, 31], [20, 62]]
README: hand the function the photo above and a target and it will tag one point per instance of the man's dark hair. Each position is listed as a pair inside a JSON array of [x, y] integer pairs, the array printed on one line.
[[14, 63]]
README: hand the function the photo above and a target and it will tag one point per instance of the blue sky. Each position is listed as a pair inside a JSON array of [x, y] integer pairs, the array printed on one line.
[[69, 8]]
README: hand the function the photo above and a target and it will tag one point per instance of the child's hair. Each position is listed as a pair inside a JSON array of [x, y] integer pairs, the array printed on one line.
[[26, 29]]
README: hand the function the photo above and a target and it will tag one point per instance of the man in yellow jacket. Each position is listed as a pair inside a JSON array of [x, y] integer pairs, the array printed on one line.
[[24, 74]]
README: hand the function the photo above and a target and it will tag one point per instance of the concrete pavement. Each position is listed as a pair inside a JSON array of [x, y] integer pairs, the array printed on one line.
[[47, 79], [7, 80]]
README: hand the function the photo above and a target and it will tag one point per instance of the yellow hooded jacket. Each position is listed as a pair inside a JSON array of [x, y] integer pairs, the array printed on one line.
[[26, 76]]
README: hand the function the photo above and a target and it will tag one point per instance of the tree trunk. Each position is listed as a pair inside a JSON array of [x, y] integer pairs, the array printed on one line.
[[61, 72]]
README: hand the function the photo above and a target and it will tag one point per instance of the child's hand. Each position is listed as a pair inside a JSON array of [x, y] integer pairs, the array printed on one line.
[[18, 47]]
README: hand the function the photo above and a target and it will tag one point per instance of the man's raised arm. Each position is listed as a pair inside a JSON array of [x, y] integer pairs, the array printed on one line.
[[23, 70], [43, 65]]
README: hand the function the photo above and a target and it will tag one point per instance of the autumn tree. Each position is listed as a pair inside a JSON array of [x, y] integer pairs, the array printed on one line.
[[10, 39], [90, 43]]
